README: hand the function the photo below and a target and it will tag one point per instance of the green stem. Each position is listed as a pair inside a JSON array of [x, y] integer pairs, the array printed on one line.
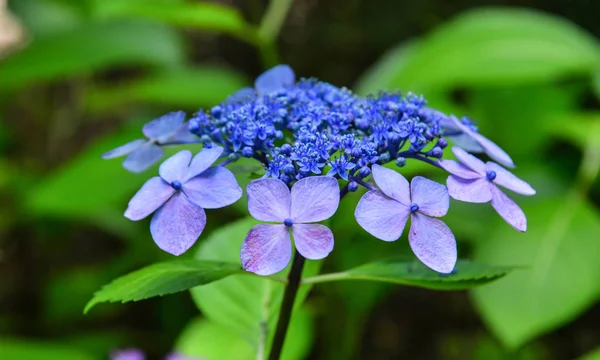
[[325, 278], [269, 29]]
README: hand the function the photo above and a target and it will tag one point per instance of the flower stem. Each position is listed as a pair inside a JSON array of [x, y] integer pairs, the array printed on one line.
[[287, 305], [269, 29]]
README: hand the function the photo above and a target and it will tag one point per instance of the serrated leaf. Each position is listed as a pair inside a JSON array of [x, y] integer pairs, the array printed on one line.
[[490, 46], [91, 47], [202, 15], [412, 273], [162, 279]]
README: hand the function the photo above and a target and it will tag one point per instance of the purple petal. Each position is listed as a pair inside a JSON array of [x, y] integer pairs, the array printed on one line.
[[314, 199], [274, 79], [175, 168], [458, 169], [176, 226], [164, 127], [268, 200], [469, 160], [183, 135], [124, 149], [241, 94], [313, 241], [494, 151], [432, 198], [143, 157], [467, 143], [267, 249], [381, 216], [509, 211], [203, 160], [469, 190], [127, 354], [214, 188], [150, 197], [433, 243], [508, 180], [392, 183]]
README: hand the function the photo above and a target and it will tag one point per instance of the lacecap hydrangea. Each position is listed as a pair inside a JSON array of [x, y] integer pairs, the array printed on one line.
[[317, 142]]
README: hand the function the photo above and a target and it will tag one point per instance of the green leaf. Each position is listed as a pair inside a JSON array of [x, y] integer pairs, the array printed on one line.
[[89, 48], [30, 350], [201, 15], [596, 83], [162, 279], [241, 303], [184, 88], [560, 248], [489, 47], [593, 355], [414, 273]]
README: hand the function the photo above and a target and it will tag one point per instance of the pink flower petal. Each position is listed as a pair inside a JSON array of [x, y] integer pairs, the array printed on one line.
[[469, 190], [432, 198], [175, 167], [433, 243], [150, 197], [469, 160], [392, 183], [176, 226], [506, 179], [509, 211], [214, 188], [314, 198], [268, 200], [313, 241], [381, 216], [267, 249]]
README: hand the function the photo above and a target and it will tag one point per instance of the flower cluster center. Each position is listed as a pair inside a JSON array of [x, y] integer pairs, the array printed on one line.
[[490, 175], [414, 207], [288, 222], [176, 185]]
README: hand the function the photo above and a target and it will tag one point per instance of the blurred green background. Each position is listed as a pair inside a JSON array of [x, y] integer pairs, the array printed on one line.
[[78, 77]]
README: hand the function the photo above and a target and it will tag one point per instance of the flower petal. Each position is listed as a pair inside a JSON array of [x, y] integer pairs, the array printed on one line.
[[267, 249], [467, 143], [268, 200], [149, 197], [494, 151], [176, 226], [432, 197], [381, 216], [183, 135], [469, 190], [203, 160], [433, 243], [458, 169], [164, 127], [509, 211], [143, 157], [392, 183], [313, 241], [241, 94], [124, 149], [314, 198], [175, 168], [274, 79], [469, 160], [508, 180], [214, 188]]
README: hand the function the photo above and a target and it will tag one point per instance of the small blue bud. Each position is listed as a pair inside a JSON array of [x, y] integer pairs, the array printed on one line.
[[247, 151], [176, 185], [288, 222], [490, 175], [352, 186], [234, 156], [216, 111], [364, 172], [436, 152], [414, 207], [286, 149], [400, 161], [355, 152], [384, 158], [442, 143]]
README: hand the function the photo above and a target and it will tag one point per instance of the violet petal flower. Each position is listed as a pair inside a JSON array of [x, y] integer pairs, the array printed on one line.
[[274, 79], [127, 354], [267, 248], [474, 181], [472, 141], [384, 213], [178, 198], [143, 153]]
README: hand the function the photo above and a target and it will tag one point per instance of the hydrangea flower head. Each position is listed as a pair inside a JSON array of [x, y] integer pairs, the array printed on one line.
[[179, 196], [143, 153], [383, 213], [267, 248], [472, 180]]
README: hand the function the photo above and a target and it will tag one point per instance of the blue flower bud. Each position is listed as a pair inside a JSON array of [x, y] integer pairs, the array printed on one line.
[[436, 152], [442, 143], [364, 172], [400, 161], [352, 186], [247, 151], [384, 158]]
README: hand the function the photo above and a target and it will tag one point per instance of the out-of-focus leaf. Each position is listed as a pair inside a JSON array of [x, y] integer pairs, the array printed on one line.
[[202, 15], [576, 127], [11, 31], [246, 305], [491, 46], [44, 17], [91, 47], [162, 279], [184, 88], [593, 355], [413, 273], [596, 83], [560, 247], [30, 350]]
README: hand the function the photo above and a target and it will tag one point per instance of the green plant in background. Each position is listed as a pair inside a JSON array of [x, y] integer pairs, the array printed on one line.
[[507, 61]]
